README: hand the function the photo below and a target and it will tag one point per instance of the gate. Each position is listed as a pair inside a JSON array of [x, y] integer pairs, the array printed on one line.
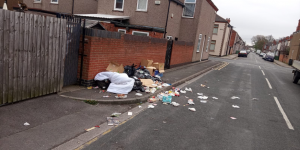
[[71, 61], [168, 54]]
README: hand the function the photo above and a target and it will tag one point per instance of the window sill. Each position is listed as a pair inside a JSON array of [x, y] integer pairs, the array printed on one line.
[[116, 10], [188, 17], [141, 10], [37, 2], [54, 3]]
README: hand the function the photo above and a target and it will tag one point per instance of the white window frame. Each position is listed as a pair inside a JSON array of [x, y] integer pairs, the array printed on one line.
[[54, 2], [137, 6], [37, 1], [194, 9], [199, 43], [214, 44], [140, 32], [208, 41], [122, 30], [118, 8], [217, 29]]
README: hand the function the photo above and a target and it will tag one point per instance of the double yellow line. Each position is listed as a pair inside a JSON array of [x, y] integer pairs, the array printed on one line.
[[222, 66]]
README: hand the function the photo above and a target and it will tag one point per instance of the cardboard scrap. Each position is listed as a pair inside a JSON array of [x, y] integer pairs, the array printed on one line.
[[151, 70], [115, 67], [146, 62], [159, 66], [148, 82]]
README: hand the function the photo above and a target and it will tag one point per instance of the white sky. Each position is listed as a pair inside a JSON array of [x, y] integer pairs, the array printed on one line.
[[261, 17]]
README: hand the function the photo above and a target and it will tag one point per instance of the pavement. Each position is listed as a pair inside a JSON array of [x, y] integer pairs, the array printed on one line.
[[282, 64], [268, 117], [175, 76], [59, 123], [232, 56]]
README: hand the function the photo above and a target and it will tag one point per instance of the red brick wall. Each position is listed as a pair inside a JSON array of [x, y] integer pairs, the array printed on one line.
[[284, 58], [127, 50], [232, 38], [182, 52], [111, 27]]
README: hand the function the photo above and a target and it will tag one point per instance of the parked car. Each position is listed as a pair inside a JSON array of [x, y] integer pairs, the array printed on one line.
[[262, 54], [269, 57], [242, 53], [248, 51], [296, 71], [258, 52]]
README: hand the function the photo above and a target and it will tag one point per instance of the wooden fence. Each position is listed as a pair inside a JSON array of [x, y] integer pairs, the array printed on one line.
[[32, 53]]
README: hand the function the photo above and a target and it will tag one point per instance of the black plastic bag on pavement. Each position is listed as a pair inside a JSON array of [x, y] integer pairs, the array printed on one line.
[[130, 70], [138, 85], [103, 84]]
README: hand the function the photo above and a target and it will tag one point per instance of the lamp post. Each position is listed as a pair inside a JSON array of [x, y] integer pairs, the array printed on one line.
[[5, 5]]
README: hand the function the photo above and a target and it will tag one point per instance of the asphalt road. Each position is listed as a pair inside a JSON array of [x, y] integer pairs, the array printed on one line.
[[268, 117]]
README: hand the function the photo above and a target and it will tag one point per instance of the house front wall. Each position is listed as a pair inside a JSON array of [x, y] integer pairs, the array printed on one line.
[[174, 20], [155, 16], [65, 6], [218, 38]]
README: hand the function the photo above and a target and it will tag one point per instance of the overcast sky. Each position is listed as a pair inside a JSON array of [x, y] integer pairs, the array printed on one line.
[[261, 17]]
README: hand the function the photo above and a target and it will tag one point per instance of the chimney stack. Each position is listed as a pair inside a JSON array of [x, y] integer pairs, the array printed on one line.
[[228, 20]]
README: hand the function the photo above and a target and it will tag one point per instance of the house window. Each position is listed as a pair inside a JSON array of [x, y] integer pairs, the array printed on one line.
[[199, 43], [216, 26], [140, 33], [189, 8], [37, 1], [122, 31], [142, 5], [54, 1], [212, 45], [207, 44], [119, 5]]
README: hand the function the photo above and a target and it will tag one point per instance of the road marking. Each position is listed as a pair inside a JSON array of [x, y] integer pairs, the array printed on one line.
[[259, 67], [269, 84], [284, 115], [263, 72]]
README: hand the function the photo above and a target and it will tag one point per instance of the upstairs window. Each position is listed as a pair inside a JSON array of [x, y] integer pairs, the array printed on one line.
[[54, 1], [37, 1], [142, 5], [216, 27], [189, 8], [119, 5]]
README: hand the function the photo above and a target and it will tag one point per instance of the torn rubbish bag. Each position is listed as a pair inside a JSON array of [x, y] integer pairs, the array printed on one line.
[[130, 70], [120, 82], [103, 85]]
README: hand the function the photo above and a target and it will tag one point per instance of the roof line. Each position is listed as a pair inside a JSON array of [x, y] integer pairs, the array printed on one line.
[[178, 2], [212, 5]]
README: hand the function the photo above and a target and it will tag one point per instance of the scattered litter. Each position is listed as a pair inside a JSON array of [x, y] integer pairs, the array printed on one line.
[[214, 97], [92, 128], [186, 97], [152, 90], [155, 129], [96, 87], [164, 122], [106, 96], [175, 104], [183, 105], [26, 124], [129, 113], [233, 118], [177, 94], [140, 106], [165, 103], [139, 94], [202, 85], [189, 89], [167, 99], [203, 97], [154, 104], [234, 97], [191, 102], [150, 106], [121, 96], [90, 87], [165, 85], [152, 100], [235, 106], [115, 114], [208, 87], [192, 109], [112, 121], [202, 101], [182, 91], [255, 99], [201, 94]]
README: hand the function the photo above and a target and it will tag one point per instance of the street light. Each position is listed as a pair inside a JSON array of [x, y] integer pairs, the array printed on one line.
[[5, 5]]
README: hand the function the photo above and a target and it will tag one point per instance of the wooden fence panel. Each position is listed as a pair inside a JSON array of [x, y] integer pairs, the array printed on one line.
[[11, 56], [32, 54], [1, 54], [16, 56]]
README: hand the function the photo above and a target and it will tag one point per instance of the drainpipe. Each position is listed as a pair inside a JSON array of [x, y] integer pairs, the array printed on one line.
[[82, 52], [73, 7], [167, 19]]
